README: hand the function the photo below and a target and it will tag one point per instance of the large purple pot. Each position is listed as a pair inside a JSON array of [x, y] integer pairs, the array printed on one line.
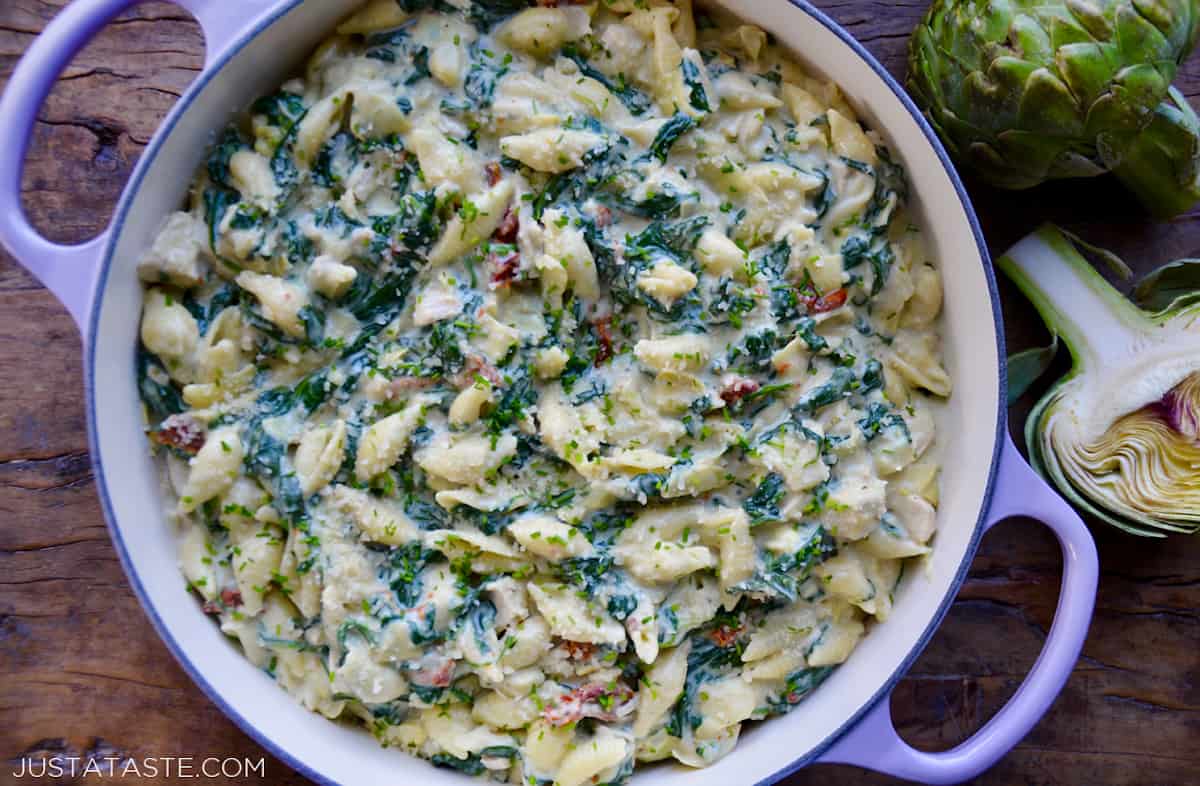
[[251, 46]]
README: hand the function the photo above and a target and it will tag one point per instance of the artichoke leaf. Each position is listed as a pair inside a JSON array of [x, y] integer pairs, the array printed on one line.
[[1027, 367], [1174, 286]]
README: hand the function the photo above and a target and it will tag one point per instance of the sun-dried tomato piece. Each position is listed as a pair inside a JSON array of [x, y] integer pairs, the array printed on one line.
[[476, 366], [819, 304], [724, 635], [578, 650], [435, 676], [606, 703], [603, 326], [737, 389], [492, 172], [504, 269], [603, 216], [401, 385], [510, 225], [182, 432]]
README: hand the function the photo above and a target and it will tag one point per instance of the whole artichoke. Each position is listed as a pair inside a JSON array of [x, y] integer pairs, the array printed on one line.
[[1024, 91]]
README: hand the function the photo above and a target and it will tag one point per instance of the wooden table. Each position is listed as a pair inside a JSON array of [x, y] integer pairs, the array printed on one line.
[[82, 672]]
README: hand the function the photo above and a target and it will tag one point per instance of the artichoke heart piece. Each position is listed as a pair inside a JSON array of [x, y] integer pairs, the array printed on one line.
[[1120, 434], [1025, 91]]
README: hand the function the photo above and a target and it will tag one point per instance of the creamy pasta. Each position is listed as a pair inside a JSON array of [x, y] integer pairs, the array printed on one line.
[[548, 388]]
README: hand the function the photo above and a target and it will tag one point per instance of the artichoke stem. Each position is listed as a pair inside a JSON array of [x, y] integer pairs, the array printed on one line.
[[1097, 323], [1161, 166]]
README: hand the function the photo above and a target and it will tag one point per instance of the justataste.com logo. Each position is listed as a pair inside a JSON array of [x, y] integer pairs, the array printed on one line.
[[199, 767]]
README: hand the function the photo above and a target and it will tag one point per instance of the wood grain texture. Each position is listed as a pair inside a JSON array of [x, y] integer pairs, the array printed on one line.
[[82, 672]]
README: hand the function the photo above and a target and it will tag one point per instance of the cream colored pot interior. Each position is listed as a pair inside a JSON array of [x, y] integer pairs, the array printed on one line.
[[346, 755]]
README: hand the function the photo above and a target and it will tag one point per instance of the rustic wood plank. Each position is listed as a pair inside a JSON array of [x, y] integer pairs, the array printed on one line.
[[86, 675]]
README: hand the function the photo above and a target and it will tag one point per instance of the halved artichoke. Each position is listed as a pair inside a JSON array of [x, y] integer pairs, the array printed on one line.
[[1120, 434]]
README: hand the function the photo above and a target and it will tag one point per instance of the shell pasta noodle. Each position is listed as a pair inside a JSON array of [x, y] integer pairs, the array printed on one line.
[[548, 388]]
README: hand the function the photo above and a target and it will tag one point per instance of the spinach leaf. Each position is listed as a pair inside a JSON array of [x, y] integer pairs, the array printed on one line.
[[155, 386], [753, 354], [880, 418], [415, 226], [775, 262], [586, 573], [840, 386], [426, 514], [205, 313], [876, 251], [779, 576], [675, 240], [216, 202], [284, 111], [826, 196], [486, 14], [696, 95], [806, 329], [730, 303], [266, 458], [621, 606], [661, 204], [675, 127], [472, 765], [799, 684], [479, 85], [420, 69], [706, 662], [376, 302], [281, 109], [603, 526], [298, 247], [229, 143], [599, 166], [518, 396], [335, 160], [891, 186], [872, 378], [763, 505]]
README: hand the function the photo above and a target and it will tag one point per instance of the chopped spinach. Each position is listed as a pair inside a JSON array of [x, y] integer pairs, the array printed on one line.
[[878, 419], [763, 505], [779, 577], [707, 661], [841, 384], [230, 142], [876, 251], [518, 396], [799, 684], [485, 14], [479, 85], [678, 125], [420, 66], [155, 386], [663, 203], [697, 97]]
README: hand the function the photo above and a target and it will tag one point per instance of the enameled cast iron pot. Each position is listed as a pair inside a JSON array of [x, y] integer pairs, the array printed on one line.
[[251, 47]]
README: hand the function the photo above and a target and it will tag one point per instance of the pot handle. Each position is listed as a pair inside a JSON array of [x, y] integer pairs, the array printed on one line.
[[70, 271], [874, 743]]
